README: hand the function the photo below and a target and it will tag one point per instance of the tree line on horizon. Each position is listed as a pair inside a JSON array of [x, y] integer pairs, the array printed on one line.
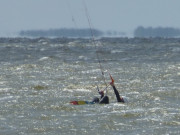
[[64, 32], [68, 32], [156, 32]]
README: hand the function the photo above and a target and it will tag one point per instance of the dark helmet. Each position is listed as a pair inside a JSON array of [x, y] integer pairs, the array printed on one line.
[[101, 92]]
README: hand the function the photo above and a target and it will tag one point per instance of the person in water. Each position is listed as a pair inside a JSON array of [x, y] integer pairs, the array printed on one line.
[[102, 100], [105, 99]]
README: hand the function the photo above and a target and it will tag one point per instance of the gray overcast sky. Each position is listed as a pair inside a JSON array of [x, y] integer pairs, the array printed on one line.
[[120, 15]]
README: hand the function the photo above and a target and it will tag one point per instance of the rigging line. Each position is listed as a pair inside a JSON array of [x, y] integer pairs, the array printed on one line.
[[73, 19], [68, 3], [93, 39], [89, 22], [71, 12]]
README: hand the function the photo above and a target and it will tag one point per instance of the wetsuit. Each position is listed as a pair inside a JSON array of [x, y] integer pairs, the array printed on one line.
[[119, 99], [103, 100]]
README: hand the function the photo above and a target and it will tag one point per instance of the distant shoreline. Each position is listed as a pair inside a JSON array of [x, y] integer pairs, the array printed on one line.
[[102, 39]]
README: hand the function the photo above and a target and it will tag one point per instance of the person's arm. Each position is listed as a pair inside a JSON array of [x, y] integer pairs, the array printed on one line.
[[119, 98]]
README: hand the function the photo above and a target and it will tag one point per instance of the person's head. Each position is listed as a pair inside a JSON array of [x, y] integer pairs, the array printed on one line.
[[101, 93]]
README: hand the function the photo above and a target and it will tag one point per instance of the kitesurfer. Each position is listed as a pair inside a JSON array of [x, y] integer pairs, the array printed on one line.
[[105, 99], [102, 100]]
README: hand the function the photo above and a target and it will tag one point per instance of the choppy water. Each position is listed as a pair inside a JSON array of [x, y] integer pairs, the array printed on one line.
[[38, 78]]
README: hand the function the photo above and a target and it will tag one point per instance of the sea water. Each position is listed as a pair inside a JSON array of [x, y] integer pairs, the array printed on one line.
[[39, 77]]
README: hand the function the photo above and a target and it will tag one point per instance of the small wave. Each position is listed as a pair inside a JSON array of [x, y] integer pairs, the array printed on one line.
[[176, 49], [6, 98], [39, 87], [43, 58], [172, 123], [83, 58], [117, 51], [85, 90]]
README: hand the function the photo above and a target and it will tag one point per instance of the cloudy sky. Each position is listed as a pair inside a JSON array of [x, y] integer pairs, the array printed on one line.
[[119, 15]]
